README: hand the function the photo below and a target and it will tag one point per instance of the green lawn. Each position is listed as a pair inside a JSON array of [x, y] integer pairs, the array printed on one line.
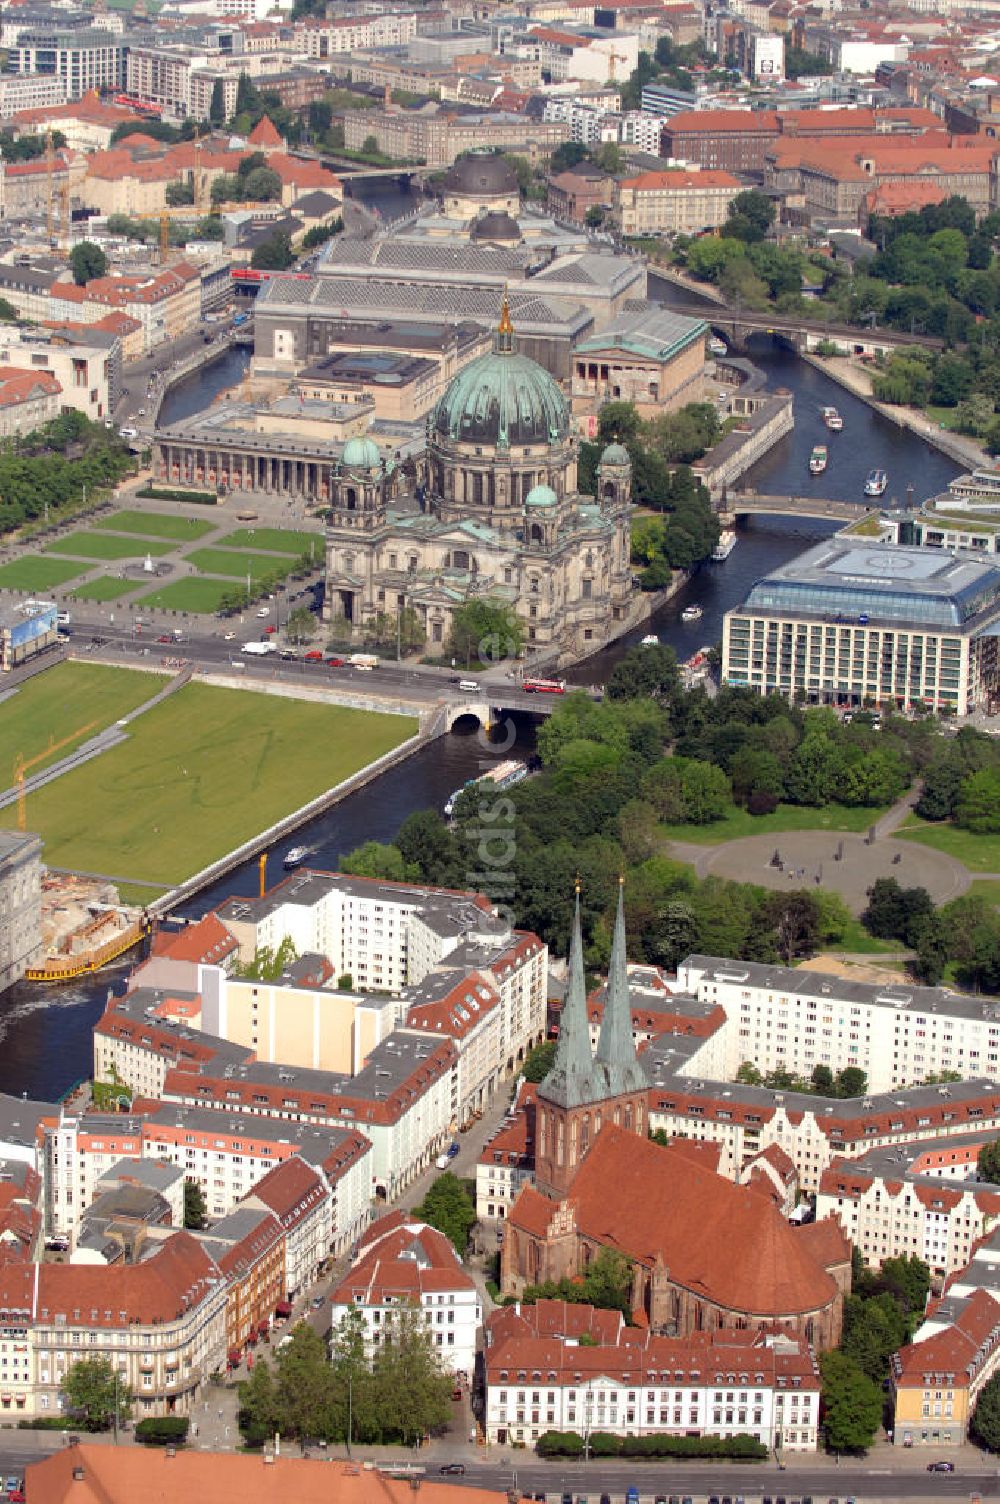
[[156, 525], [857, 939], [60, 703], [275, 540], [35, 573], [984, 887], [89, 545], [979, 853], [201, 596], [202, 772], [105, 589], [786, 817], [234, 565]]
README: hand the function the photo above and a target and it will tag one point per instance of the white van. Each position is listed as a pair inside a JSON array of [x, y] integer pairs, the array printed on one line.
[[469, 685], [258, 649]]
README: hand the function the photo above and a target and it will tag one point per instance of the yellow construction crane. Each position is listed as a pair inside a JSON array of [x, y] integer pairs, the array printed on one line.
[[199, 177], [67, 213], [22, 765]]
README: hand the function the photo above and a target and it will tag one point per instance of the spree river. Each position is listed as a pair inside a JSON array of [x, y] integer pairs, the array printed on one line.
[[45, 1033]]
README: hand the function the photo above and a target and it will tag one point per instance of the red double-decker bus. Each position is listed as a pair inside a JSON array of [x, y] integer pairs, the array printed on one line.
[[544, 686]]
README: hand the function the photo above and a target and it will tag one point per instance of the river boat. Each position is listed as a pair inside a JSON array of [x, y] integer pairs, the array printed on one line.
[[832, 419], [295, 856], [504, 776], [717, 346], [650, 640], [818, 459], [876, 483], [725, 545], [692, 613]]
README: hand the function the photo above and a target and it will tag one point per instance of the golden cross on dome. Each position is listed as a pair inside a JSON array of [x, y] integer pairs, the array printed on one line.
[[505, 325]]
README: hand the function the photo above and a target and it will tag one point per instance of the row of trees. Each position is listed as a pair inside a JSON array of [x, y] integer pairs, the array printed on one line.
[[606, 1284], [400, 1394], [961, 938], [880, 1316], [47, 469], [847, 1083]]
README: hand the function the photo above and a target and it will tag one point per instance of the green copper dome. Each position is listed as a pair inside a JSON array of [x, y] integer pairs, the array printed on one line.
[[541, 496], [361, 454], [616, 454], [502, 398]]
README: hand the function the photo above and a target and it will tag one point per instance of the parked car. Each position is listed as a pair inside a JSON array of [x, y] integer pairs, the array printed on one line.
[[229, 636], [313, 656], [269, 629], [453, 1467], [264, 611], [940, 1467], [165, 637]]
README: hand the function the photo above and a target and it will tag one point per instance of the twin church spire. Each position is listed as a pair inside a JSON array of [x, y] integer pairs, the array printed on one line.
[[577, 1077]]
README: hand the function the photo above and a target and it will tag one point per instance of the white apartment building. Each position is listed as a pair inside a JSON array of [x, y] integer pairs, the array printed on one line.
[[898, 1034], [674, 202], [85, 60], [642, 131], [507, 1162], [854, 621], [402, 1263], [30, 91], [351, 34], [582, 53], [86, 373], [588, 125], [698, 1386], [890, 1207], [299, 1198]]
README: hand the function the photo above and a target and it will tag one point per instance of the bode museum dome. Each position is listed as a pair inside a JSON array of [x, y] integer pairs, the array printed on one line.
[[492, 513]]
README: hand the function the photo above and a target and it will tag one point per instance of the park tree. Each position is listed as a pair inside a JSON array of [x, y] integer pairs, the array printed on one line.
[[195, 1210], [269, 962], [873, 1330], [217, 106], [942, 785], [608, 1282], [988, 1162], [851, 1082], [978, 805], [449, 1207], [931, 940], [100, 1396], [300, 626], [794, 918], [539, 1061], [87, 261], [179, 193], [258, 1415], [412, 1392], [895, 913], [751, 215], [273, 254], [908, 1279], [427, 844], [377, 860], [567, 155], [645, 673], [852, 1404], [304, 1388], [262, 185], [353, 1385], [484, 632], [985, 1426]]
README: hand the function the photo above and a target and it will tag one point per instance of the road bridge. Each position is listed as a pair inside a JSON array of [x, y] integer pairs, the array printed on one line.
[[753, 503], [736, 326]]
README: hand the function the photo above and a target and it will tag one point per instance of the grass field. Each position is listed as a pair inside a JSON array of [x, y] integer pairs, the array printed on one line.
[[201, 596], [856, 940], [156, 525], [63, 701], [35, 573], [984, 887], [235, 565], [88, 545], [105, 589], [786, 817], [979, 853], [203, 771], [275, 540]]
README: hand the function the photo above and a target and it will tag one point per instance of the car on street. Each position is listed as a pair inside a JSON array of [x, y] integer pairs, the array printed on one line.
[[318, 1302], [229, 636], [313, 656], [264, 611], [269, 629], [940, 1467], [165, 637], [458, 1468], [334, 662]]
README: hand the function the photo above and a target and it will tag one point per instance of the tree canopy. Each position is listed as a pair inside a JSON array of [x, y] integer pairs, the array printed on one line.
[[94, 1391], [87, 261], [449, 1207]]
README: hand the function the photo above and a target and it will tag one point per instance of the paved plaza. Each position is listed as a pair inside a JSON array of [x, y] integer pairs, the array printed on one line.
[[843, 863]]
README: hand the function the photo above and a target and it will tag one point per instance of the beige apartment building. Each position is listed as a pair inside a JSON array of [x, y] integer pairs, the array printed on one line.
[[673, 203], [439, 139]]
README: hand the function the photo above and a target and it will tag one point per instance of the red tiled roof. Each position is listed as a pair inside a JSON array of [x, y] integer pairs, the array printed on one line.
[[653, 1203], [460, 1010], [952, 1353], [648, 182], [161, 1288], [265, 133], [292, 1190], [18, 385], [404, 1259], [208, 942]]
